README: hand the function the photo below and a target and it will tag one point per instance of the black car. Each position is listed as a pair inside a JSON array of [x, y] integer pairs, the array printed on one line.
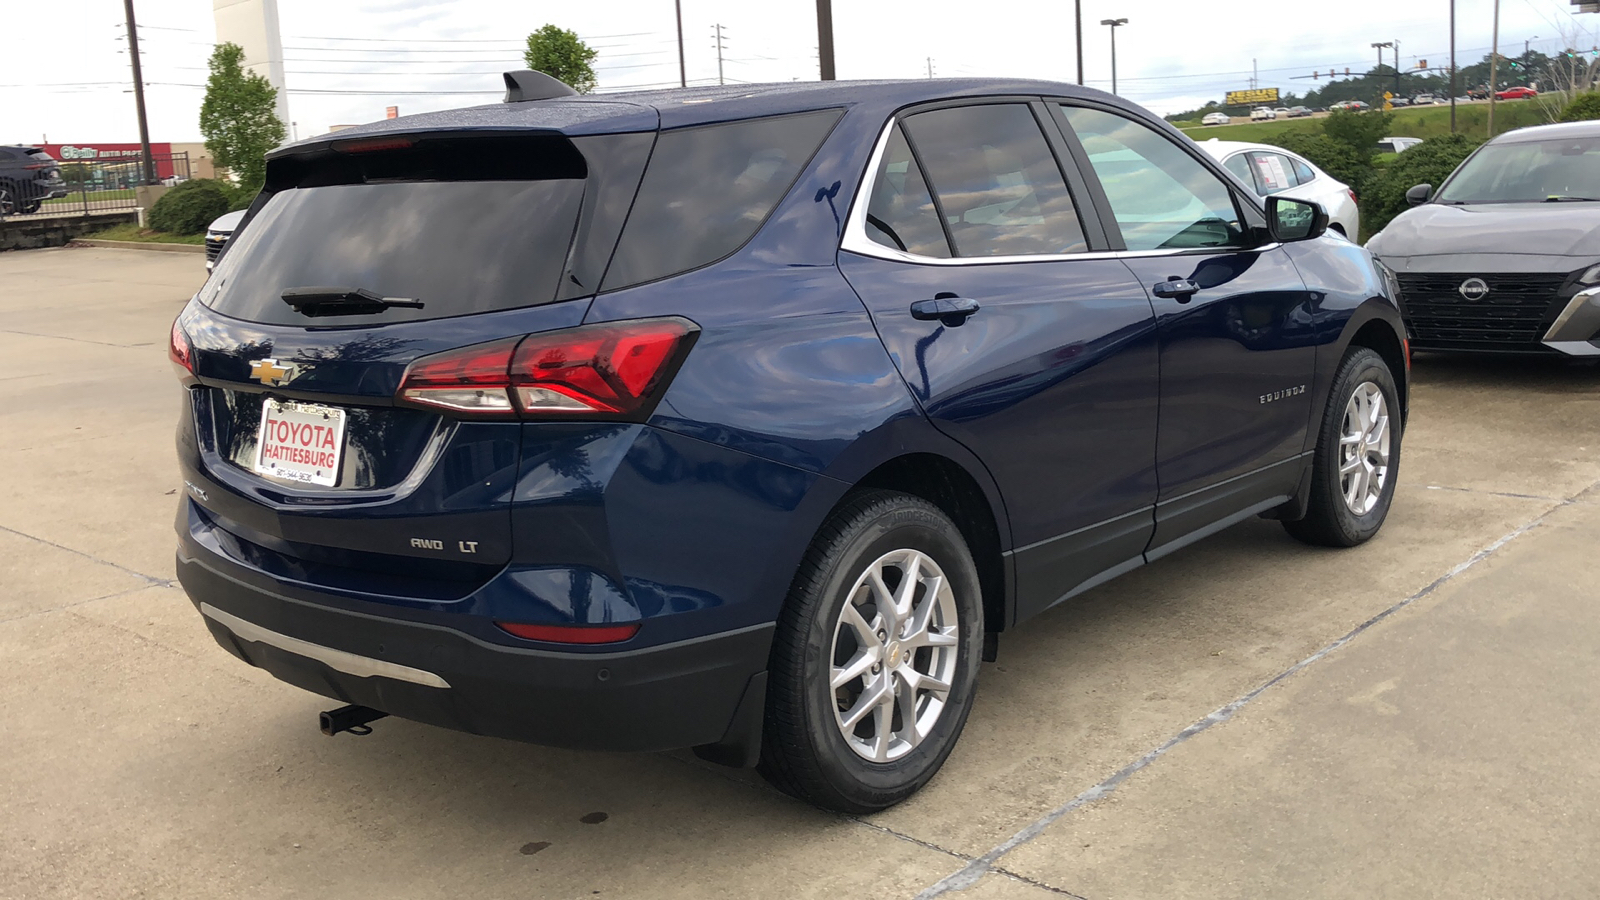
[[746, 418], [28, 177]]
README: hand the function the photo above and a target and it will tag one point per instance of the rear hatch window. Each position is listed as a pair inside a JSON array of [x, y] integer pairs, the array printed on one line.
[[463, 225]]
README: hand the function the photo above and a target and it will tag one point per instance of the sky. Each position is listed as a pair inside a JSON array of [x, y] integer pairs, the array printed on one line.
[[347, 60]]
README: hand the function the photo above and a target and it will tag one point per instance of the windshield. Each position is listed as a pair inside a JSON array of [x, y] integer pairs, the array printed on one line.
[[1528, 172]]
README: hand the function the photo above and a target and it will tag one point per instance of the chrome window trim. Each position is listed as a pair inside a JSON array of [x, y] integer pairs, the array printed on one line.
[[339, 660], [856, 241]]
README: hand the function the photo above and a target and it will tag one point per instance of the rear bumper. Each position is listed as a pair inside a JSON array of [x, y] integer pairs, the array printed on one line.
[[705, 691]]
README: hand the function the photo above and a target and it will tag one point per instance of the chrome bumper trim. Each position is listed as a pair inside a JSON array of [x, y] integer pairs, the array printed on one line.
[[348, 663], [1577, 325]]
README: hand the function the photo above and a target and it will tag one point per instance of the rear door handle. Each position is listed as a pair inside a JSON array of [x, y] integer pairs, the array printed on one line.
[[1179, 289], [946, 307]]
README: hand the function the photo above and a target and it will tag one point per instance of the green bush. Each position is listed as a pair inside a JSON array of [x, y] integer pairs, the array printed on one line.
[[1429, 162], [1582, 108], [1360, 131], [190, 207]]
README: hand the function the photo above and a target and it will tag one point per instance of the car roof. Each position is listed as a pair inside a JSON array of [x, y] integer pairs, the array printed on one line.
[[616, 113], [1220, 148], [1547, 132]]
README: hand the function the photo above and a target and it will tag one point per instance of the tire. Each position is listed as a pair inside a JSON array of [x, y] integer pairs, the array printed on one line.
[[1347, 509], [8, 200], [805, 751]]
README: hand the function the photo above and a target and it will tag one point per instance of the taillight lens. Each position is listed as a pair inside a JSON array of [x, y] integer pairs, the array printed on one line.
[[614, 370], [178, 351], [1352, 193], [571, 634]]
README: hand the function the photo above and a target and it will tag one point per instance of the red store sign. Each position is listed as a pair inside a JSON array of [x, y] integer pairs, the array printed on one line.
[[112, 153]]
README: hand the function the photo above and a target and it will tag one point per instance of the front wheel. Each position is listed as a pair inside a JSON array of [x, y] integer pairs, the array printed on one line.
[[1357, 455], [876, 656]]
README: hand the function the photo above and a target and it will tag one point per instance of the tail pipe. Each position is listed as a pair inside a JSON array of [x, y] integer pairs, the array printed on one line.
[[353, 719]]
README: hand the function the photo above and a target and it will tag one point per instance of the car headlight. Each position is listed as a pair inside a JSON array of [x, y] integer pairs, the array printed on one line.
[[1590, 275]]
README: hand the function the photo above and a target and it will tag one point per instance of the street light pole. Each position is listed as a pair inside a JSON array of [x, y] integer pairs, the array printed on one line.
[[138, 96], [1113, 23], [1078, 30], [825, 38], [1452, 66], [1494, 57], [683, 73]]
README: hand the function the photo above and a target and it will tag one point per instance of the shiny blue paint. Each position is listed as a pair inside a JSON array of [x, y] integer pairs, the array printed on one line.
[[1247, 335]]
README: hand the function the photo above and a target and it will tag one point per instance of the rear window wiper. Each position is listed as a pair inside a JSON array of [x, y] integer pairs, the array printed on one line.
[[342, 301]]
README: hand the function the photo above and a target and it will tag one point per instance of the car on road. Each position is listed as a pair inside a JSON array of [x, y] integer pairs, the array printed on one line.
[[1299, 112], [28, 177], [1423, 100], [1399, 101], [1216, 118], [1505, 255], [218, 233], [1263, 113], [1397, 144], [1516, 93], [747, 419], [1269, 171], [1281, 112]]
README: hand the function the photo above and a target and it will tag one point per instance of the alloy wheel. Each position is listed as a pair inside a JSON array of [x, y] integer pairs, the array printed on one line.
[[894, 655], [1364, 446]]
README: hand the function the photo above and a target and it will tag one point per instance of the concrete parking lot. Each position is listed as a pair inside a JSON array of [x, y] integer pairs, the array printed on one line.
[[1248, 718]]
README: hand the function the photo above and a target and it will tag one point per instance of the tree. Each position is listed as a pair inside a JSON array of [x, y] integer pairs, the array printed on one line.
[[239, 118], [1429, 162], [1360, 131], [562, 55]]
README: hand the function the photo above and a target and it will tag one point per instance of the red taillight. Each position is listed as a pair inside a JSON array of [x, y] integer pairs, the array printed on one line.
[[372, 146], [178, 350], [611, 369], [1352, 193], [571, 634], [472, 379]]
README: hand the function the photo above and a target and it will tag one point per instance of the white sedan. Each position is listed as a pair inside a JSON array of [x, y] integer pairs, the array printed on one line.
[[1216, 118], [1269, 170]]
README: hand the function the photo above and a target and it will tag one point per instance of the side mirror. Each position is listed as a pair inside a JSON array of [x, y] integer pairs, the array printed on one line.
[[1419, 194], [1295, 220]]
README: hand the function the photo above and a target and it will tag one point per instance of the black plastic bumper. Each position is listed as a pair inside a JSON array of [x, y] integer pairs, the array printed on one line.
[[707, 691]]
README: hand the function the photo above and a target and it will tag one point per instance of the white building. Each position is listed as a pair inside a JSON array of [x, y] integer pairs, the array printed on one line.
[[253, 25]]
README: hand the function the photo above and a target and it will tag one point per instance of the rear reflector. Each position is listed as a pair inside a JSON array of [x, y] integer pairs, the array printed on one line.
[[612, 370], [571, 634]]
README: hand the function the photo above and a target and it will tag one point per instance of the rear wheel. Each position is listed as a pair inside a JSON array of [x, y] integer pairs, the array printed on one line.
[[8, 200], [1357, 456], [876, 656]]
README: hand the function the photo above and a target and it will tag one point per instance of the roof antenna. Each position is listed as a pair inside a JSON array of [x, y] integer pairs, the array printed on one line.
[[525, 84]]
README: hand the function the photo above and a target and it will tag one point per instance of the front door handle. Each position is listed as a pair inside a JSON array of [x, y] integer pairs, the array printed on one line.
[[946, 307], [1179, 289]]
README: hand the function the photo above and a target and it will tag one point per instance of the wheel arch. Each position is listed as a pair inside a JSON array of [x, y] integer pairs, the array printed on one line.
[[1381, 336]]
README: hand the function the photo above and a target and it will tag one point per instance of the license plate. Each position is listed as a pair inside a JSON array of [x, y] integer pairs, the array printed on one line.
[[300, 442]]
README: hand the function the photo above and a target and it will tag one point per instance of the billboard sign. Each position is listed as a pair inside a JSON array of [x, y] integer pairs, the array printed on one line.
[[1251, 97], [92, 153]]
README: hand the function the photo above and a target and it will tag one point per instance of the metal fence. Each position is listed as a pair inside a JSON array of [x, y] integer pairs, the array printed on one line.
[[95, 186]]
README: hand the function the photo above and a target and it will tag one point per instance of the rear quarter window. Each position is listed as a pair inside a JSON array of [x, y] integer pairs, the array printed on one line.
[[709, 188]]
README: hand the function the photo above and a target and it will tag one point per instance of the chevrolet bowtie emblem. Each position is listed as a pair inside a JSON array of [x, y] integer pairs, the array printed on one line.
[[268, 372]]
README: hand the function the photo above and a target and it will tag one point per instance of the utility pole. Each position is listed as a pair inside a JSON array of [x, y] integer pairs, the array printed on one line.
[[1114, 23], [1452, 66], [683, 72], [1078, 23], [930, 67], [1397, 68], [1494, 57], [717, 30], [825, 38], [138, 96]]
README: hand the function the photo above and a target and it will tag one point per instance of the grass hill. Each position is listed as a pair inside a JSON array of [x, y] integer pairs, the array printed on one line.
[[1421, 122]]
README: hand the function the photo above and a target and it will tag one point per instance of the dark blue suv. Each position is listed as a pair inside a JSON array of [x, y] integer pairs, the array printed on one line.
[[746, 419]]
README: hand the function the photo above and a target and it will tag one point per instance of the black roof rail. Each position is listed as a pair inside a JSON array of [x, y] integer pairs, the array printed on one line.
[[525, 84]]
